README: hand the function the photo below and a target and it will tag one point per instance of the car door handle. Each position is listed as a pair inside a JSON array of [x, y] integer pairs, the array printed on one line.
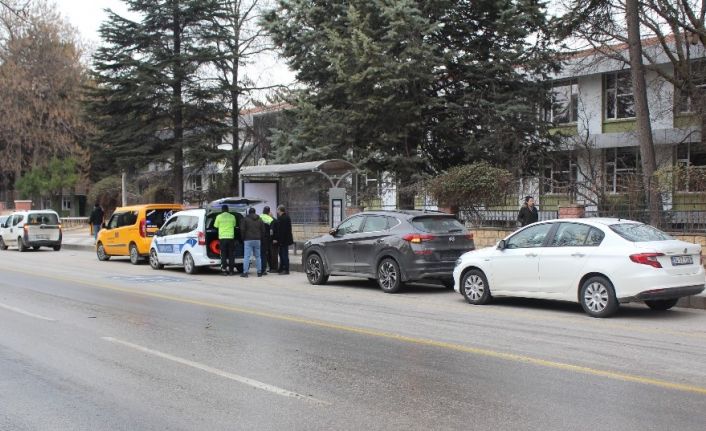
[[531, 255], [578, 254]]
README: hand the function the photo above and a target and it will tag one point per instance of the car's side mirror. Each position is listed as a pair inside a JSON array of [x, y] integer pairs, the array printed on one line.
[[501, 245], [333, 232]]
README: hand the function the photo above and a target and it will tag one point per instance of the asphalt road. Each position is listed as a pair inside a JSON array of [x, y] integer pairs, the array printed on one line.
[[88, 345]]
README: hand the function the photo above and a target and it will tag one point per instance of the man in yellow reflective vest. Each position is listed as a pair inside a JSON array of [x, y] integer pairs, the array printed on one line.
[[266, 251], [225, 223]]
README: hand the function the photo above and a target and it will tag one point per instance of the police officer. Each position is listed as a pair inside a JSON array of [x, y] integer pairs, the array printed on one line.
[[225, 223]]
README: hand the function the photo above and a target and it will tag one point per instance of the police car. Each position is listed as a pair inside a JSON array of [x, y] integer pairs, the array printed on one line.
[[189, 239]]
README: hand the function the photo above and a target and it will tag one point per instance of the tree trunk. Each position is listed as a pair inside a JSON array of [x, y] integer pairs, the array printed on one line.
[[642, 112], [235, 107], [177, 109]]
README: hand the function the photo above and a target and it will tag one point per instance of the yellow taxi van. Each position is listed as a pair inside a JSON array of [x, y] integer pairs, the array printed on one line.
[[130, 229]]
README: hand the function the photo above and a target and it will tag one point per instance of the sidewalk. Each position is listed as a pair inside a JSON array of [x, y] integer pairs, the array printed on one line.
[[81, 239]]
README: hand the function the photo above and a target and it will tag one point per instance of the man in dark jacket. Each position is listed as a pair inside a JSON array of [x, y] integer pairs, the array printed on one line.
[[252, 231], [96, 219], [283, 238], [266, 244], [528, 213]]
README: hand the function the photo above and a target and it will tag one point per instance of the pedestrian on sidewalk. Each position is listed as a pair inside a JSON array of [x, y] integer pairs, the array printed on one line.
[[96, 219], [252, 231], [266, 245], [528, 212], [225, 223], [283, 238]]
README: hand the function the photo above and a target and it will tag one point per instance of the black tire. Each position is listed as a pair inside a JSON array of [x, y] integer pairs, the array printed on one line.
[[662, 304], [597, 297], [21, 247], [35, 247], [135, 258], [100, 252], [389, 276], [475, 287], [189, 265], [57, 247], [315, 270], [3, 246], [154, 260]]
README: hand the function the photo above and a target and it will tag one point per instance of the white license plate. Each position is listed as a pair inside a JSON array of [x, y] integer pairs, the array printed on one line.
[[42, 236], [682, 260]]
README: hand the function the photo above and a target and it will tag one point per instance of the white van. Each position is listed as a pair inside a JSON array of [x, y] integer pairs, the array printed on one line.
[[189, 239], [35, 228]]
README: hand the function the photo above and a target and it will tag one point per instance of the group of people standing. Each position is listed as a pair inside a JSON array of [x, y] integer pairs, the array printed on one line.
[[263, 236]]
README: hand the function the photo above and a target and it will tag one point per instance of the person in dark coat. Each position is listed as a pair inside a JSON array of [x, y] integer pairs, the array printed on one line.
[[528, 212], [96, 219], [252, 231], [283, 238], [266, 243]]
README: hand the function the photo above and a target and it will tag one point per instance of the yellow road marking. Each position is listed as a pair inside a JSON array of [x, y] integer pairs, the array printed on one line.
[[614, 375]]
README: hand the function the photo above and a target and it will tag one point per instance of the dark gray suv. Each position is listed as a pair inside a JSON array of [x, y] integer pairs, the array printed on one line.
[[391, 247]]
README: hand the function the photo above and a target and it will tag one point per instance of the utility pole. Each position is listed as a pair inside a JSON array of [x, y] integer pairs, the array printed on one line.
[[123, 186]]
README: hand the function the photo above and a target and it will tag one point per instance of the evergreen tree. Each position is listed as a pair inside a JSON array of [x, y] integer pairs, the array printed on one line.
[[415, 86], [153, 100]]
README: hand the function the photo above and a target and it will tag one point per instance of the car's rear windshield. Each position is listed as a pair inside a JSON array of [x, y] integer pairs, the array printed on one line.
[[638, 232], [436, 224], [156, 218], [42, 218]]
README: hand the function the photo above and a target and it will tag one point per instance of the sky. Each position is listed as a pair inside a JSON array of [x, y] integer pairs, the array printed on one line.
[[87, 16]]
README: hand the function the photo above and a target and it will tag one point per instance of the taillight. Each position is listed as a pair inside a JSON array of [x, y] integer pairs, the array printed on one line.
[[143, 228], [202, 238], [416, 238], [647, 259]]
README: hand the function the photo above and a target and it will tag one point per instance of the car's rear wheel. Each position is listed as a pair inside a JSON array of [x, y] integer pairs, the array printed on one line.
[[100, 252], [189, 265], [389, 276], [21, 247], [597, 297], [35, 247], [475, 288], [662, 304], [154, 260], [3, 246], [134, 254], [57, 247], [315, 271]]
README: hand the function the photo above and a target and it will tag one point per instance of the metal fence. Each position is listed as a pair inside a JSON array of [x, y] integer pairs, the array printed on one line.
[[503, 218], [670, 220]]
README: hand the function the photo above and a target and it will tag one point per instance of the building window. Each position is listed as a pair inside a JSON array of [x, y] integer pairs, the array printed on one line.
[[564, 103], [195, 182], [619, 100], [689, 101], [560, 174], [621, 169], [66, 203], [691, 159]]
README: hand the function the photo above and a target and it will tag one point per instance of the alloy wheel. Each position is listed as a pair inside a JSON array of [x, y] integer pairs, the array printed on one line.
[[596, 297], [388, 276], [474, 287]]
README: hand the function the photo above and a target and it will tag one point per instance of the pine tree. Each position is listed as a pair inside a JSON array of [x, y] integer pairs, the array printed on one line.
[[153, 100]]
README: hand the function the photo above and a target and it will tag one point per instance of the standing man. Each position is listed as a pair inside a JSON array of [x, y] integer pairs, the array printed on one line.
[[96, 219], [252, 232], [266, 245], [283, 238], [528, 212], [225, 223]]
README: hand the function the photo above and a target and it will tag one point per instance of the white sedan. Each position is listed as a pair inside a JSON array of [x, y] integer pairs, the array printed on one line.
[[596, 262]]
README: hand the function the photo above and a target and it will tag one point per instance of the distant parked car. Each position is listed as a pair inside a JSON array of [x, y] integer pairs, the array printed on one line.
[[31, 229], [188, 238], [392, 247], [598, 263]]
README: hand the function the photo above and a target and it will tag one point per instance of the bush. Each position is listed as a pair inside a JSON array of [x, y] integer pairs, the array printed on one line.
[[472, 186]]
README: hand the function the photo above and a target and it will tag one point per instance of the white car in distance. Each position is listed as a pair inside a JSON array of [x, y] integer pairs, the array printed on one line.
[[597, 262]]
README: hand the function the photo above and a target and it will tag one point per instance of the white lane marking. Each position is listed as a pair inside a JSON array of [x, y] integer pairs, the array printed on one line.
[[221, 373], [26, 313]]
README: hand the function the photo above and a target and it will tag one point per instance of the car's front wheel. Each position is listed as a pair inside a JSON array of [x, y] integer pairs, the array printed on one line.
[[189, 265], [389, 276], [474, 287], [154, 260], [3, 246], [597, 297], [662, 304], [100, 252], [134, 254], [315, 272]]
